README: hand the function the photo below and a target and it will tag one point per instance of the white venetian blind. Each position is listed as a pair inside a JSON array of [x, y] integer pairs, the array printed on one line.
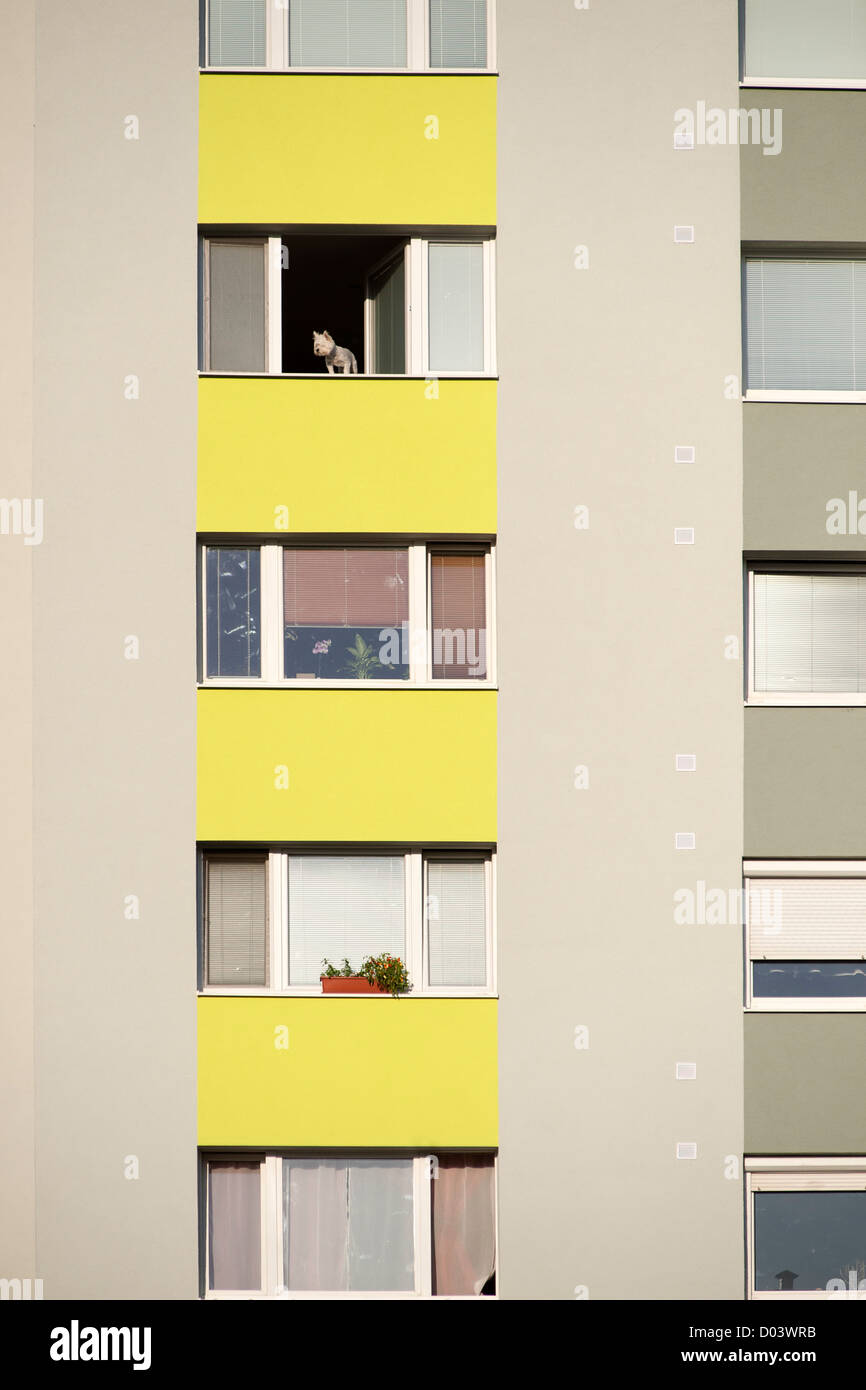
[[236, 306], [458, 33], [810, 633], [456, 306], [352, 906], [456, 923], [807, 918], [799, 38], [236, 34], [237, 922], [347, 33], [805, 324]]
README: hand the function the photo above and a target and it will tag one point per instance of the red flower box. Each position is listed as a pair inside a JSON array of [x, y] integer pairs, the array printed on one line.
[[348, 984]]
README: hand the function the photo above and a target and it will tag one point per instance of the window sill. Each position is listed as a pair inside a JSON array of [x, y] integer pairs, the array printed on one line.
[[818, 84], [347, 685], [349, 72], [315, 993], [805, 701], [807, 1006], [357, 376], [809, 397]]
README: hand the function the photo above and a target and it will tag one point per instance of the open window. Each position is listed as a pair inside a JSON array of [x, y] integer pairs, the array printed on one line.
[[401, 305], [293, 1225]]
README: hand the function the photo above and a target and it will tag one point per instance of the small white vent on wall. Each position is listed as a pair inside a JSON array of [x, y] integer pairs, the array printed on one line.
[[684, 453], [684, 535], [687, 1071], [684, 234], [687, 1150], [684, 140], [686, 762], [684, 839]]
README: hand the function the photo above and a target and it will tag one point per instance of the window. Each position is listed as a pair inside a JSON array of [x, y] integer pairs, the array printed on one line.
[[270, 918], [795, 42], [805, 326], [311, 35], [289, 1225], [806, 1227], [403, 306], [807, 641], [339, 615], [806, 935]]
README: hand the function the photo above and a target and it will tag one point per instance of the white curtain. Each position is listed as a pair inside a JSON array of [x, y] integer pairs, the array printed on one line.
[[236, 33], [351, 906], [805, 324], [234, 1226], [810, 633], [456, 923], [464, 1227], [799, 38], [348, 1224], [347, 33], [458, 33], [456, 306]]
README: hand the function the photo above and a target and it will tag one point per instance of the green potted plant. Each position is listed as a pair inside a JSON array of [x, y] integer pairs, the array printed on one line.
[[384, 974]]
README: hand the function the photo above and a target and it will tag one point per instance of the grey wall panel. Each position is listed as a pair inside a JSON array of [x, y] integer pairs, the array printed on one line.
[[805, 783], [805, 1081], [115, 738], [800, 462], [17, 1189], [612, 647], [807, 191]]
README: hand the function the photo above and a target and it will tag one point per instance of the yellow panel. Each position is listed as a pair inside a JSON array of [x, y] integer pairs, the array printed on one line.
[[367, 1072], [347, 149], [392, 765], [347, 454]]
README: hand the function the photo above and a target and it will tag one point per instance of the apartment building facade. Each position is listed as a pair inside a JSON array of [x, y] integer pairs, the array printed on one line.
[[526, 649]]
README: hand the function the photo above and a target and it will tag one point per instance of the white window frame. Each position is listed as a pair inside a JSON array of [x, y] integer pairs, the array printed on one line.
[[816, 83], [272, 1287], [808, 698], [416, 253], [415, 951], [417, 44], [419, 634], [796, 1175], [272, 253], [753, 871]]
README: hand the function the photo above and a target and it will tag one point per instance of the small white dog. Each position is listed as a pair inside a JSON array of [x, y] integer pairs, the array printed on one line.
[[338, 358]]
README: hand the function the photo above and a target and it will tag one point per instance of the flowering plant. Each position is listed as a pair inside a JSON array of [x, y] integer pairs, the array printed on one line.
[[386, 972]]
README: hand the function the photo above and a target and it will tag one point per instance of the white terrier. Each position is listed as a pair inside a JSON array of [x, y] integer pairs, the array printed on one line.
[[335, 357]]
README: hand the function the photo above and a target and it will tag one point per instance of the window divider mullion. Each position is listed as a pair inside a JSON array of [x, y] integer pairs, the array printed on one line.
[[418, 664], [271, 606]]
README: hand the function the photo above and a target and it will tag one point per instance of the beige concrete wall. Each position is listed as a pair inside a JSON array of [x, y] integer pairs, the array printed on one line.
[[17, 1190], [612, 644], [115, 256]]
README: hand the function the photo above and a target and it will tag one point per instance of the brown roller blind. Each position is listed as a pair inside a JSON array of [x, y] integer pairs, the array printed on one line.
[[346, 588], [459, 612]]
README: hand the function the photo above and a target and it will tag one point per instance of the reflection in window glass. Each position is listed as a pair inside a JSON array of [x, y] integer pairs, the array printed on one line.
[[804, 979], [805, 1239], [346, 614], [233, 612]]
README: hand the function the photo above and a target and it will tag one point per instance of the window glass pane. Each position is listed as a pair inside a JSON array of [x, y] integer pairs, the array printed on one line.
[[809, 979], [459, 617], [810, 633], [797, 38], [348, 1224], [805, 325], [346, 614], [352, 906], [233, 618], [464, 1225], [234, 1226], [236, 952], [236, 306], [458, 33], [456, 297], [236, 33], [805, 1239], [388, 296], [456, 923], [347, 33]]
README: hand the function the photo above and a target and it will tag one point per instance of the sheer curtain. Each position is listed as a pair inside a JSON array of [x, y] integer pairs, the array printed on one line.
[[234, 1226], [348, 1224], [464, 1230]]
